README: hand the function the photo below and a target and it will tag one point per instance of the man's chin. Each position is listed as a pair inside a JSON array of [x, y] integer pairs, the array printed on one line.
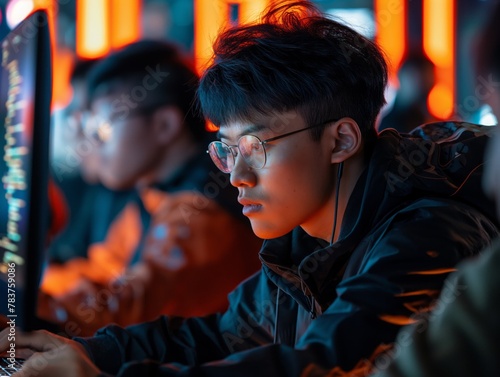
[[267, 232]]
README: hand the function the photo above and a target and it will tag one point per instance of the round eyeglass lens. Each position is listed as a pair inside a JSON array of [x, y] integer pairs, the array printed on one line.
[[221, 156], [252, 151]]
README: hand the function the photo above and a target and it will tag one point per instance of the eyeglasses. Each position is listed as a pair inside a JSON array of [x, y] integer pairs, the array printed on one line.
[[100, 128], [97, 128], [251, 148]]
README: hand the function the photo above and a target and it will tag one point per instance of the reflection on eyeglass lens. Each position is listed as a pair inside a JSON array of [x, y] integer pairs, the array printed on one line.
[[97, 128]]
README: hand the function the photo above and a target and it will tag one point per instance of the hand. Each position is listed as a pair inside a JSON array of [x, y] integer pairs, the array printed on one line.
[[80, 311], [129, 290], [49, 355]]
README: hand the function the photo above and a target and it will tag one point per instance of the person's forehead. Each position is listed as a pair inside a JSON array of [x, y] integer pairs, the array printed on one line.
[[112, 108], [273, 125], [234, 130]]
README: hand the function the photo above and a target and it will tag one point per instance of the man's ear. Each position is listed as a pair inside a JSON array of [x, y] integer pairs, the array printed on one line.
[[345, 139], [167, 123]]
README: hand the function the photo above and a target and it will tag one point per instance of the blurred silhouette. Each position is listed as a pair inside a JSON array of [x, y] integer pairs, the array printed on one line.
[[181, 243], [409, 110], [92, 207]]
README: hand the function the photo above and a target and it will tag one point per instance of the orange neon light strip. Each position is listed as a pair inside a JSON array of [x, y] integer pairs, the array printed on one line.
[[125, 24], [390, 18], [251, 10], [92, 19], [212, 16], [439, 45], [61, 88]]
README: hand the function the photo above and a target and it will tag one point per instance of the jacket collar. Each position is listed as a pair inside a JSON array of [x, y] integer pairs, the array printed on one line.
[[440, 160]]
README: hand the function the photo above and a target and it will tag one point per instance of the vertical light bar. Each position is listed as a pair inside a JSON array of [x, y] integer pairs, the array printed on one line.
[[251, 10], [92, 18], [439, 45], [390, 18], [125, 22], [62, 64], [210, 16]]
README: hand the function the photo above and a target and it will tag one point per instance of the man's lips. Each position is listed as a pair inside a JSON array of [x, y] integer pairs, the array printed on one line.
[[249, 206], [247, 202]]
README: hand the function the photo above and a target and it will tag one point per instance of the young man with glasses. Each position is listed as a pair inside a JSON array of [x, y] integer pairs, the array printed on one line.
[[75, 163], [360, 229], [171, 250]]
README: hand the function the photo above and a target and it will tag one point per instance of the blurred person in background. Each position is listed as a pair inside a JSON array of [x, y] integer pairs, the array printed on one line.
[[92, 207], [409, 109], [181, 244]]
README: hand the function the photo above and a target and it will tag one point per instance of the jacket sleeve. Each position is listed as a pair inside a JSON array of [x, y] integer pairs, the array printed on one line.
[[400, 276], [462, 337], [246, 324]]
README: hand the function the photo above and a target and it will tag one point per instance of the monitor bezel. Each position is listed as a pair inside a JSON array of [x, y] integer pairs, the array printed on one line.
[[36, 25], [39, 210]]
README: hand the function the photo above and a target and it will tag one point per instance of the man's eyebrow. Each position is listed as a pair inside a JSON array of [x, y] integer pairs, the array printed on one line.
[[245, 130]]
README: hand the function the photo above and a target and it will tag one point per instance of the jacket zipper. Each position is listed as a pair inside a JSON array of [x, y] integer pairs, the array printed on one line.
[[302, 284], [313, 308], [276, 317]]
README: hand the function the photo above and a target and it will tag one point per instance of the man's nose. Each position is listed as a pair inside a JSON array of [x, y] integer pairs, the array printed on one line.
[[242, 174]]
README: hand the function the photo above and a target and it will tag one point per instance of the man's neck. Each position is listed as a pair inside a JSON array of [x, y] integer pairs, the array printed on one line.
[[322, 225], [351, 173]]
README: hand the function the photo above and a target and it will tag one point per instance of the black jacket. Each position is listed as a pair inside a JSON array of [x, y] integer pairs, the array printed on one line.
[[416, 211]]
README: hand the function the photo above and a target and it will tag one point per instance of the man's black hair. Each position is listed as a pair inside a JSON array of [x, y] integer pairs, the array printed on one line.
[[149, 74], [81, 69], [295, 59]]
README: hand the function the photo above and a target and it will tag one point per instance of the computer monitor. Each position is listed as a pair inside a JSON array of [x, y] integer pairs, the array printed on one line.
[[25, 98]]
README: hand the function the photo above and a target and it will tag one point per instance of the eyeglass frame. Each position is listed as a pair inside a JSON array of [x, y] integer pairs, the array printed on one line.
[[263, 143], [102, 133]]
